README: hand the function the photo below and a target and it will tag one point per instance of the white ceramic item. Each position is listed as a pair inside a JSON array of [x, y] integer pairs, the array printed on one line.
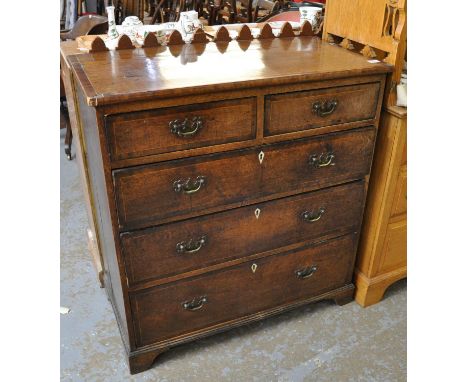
[[311, 14], [130, 25], [112, 30], [189, 22]]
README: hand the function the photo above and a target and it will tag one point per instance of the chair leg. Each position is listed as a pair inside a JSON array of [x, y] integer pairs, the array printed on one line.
[[68, 135], [68, 141]]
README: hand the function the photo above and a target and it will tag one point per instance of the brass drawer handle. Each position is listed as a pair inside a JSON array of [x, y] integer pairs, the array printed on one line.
[[191, 246], [310, 217], [305, 273], [189, 187], [324, 108], [322, 160], [186, 128], [195, 304]]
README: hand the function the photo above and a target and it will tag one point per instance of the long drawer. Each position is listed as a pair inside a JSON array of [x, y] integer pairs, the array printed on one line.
[[158, 131], [146, 195], [196, 243], [286, 113], [251, 287]]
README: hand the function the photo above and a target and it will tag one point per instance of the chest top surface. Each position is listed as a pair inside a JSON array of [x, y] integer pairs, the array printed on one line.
[[139, 74]]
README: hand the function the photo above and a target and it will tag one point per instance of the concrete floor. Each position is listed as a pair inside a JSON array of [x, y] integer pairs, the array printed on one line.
[[320, 342]]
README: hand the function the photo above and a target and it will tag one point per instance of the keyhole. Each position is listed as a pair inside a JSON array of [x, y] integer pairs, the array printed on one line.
[[261, 155], [257, 213], [254, 267]]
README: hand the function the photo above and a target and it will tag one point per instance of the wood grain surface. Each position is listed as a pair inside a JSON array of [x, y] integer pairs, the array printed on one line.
[[137, 134], [237, 291], [138, 74], [146, 195], [237, 233]]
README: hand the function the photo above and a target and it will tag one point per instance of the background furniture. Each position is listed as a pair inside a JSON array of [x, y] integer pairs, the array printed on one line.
[[68, 48], [377, 29], [264, 8], [382, 250], [212, 210], [290, 12], [91, 24], [169, 10]]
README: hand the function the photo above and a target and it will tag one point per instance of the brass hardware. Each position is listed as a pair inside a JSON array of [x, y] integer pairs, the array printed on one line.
[[261, 156], [322, 160], [257, 213], [195, 304], [254, 267], [305, 273], [189, 187], [192, 246], [310, 217], [186, 128], [324, 108]]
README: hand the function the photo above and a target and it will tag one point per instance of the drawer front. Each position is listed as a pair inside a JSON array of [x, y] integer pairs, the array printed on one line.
[[147, 194], [138, 134], [399, 201], [286, 113], [319, 162], [196, 243], [181, 307]]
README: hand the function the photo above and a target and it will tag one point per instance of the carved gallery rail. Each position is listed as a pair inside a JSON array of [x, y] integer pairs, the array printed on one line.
[[228, 182]]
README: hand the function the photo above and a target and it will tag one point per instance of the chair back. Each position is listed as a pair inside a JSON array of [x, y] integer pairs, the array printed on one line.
[[267, 6], [90, 24], [242, 11]]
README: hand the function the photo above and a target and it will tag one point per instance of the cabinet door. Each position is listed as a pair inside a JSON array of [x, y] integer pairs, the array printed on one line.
[[394, 247], [399, 201]]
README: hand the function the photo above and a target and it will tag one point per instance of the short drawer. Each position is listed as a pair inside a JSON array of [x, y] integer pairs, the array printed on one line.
[[286, 113], [147, 194], [251, 287], [158, 131], [196, 243]]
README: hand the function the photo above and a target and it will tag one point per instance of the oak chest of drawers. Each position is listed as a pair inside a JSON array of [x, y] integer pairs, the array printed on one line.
[[227, 186]]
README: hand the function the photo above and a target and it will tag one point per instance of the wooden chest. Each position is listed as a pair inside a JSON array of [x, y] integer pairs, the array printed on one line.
[[227, 186]]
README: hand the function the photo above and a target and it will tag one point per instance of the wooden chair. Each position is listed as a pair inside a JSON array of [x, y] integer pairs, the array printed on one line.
[[213, 8], [233, 11], [90, 24], [222, 12], [124, 8], [169, 10], [376, 29], [264, 8], [243, 11]]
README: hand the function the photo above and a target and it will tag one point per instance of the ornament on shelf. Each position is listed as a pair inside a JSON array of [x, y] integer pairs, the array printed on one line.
[[112, 31]]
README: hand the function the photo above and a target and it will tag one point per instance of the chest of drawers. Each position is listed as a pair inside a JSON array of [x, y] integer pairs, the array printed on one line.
[[226, 186]]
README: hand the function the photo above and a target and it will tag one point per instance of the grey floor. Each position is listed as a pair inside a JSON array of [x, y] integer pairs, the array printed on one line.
[[321, 342]]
